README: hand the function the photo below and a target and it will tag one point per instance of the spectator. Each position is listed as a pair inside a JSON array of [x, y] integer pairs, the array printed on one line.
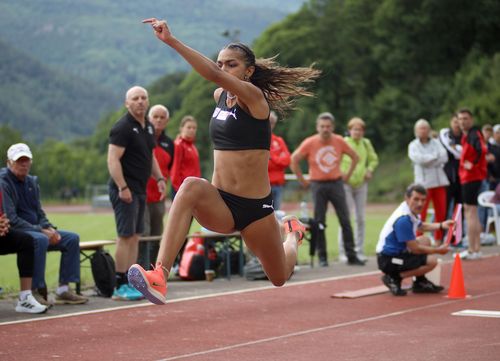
[[472, 173], [492, 179], [279, 160], [496, 200], [493, 158], [22, 244], [24, 210], [130, 163], [186, 160], [323, 153], [487, 132], [356, 189], [401, 254], [155, 206], [429, 157], [451, 138]]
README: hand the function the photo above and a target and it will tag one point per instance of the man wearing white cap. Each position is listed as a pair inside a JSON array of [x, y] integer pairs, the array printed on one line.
[[24, 210]]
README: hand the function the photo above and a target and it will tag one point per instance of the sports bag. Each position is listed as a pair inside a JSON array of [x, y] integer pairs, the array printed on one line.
[[103, 271], [192, 265]]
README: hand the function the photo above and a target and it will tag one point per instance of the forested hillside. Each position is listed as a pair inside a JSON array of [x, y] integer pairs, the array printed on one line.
[[104, 42], [390, 62], [44, 103]]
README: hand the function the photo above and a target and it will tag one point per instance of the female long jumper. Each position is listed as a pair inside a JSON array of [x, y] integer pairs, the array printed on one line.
[[239, 196]]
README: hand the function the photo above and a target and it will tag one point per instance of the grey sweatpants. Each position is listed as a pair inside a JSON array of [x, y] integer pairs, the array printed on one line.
[[356, 201]]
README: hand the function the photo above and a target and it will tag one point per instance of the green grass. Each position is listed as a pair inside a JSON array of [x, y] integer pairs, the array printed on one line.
[[92, 226]]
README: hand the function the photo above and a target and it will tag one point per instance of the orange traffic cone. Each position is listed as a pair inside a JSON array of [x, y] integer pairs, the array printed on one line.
[[457, 286]]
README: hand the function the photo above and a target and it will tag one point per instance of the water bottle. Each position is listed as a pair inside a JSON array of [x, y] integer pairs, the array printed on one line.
[[304, 212]]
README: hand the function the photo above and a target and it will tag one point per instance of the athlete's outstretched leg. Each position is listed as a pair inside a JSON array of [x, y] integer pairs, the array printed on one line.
[[198, 198]]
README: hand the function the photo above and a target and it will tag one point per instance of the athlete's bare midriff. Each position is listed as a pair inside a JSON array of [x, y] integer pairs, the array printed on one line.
[[242, 172]]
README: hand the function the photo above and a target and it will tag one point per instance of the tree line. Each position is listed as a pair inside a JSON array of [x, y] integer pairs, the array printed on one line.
[[389, 62]]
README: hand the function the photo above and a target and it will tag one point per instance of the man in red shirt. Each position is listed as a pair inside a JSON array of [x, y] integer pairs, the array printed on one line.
[[154, 212], [472, 171], [323, 152], [279, 160]]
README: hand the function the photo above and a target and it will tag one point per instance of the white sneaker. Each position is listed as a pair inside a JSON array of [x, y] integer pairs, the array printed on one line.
[[362, 257], [476, 255], [343, 258], [30, 305], [466, 254]]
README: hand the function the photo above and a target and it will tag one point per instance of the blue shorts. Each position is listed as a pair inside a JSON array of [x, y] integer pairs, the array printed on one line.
[[247, 210]]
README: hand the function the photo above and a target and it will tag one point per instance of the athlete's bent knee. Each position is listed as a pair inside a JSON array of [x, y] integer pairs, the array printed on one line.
[[432, 261], [191, 187]]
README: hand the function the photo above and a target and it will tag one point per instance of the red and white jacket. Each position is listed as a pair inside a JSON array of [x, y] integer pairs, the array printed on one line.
[[186, 162], [473, 150]]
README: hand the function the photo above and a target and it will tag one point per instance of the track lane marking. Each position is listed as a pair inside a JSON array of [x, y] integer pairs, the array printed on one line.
[[190, 298], [477, 313], [324, 328]]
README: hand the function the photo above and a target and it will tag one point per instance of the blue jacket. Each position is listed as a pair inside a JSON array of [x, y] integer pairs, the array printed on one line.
[[11, 199]]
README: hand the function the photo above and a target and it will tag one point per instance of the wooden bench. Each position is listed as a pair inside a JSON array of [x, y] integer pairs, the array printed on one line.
[[92, 246], [87, 248], [228, 240], [99, 244]]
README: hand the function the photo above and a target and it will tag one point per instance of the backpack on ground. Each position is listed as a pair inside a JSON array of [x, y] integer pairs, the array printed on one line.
[[103, 271], [192, 265], [254, 271]]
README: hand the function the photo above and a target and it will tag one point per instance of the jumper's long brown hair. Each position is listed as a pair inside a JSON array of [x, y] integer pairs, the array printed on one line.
[[281, 85]]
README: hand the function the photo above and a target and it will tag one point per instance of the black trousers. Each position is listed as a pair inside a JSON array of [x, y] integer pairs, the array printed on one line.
[[332, 191], [22, 244]]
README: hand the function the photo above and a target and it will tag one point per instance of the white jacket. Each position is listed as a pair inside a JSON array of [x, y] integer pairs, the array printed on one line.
[[428, 162]]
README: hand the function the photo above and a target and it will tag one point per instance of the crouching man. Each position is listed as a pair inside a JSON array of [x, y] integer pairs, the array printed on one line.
[[401, 254]]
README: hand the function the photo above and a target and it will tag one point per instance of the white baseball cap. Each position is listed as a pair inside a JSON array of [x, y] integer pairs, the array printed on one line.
[[496, 128], [19, 150]]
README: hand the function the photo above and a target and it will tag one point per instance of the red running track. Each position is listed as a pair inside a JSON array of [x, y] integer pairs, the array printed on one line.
[[296, 322]]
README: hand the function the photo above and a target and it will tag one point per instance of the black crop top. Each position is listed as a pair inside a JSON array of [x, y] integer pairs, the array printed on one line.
[[234, 129]]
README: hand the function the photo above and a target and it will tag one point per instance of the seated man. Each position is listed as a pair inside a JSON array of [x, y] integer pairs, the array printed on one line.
[[401, 254], [23, 208], [22, 244]]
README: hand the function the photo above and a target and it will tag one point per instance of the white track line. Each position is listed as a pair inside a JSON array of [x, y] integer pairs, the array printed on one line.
[[478, 313], [291, 284], [190, 298], [320, 329]]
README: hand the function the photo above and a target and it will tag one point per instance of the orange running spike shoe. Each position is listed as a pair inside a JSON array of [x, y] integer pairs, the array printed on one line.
[[292, 224], [151, 284]]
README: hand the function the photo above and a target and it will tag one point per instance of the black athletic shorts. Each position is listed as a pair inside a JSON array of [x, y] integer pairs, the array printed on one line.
[[403, 262], [247, 210], [470, 191], [129, 217]]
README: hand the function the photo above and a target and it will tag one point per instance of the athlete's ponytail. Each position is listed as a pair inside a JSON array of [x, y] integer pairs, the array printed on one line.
[[281, 85]]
